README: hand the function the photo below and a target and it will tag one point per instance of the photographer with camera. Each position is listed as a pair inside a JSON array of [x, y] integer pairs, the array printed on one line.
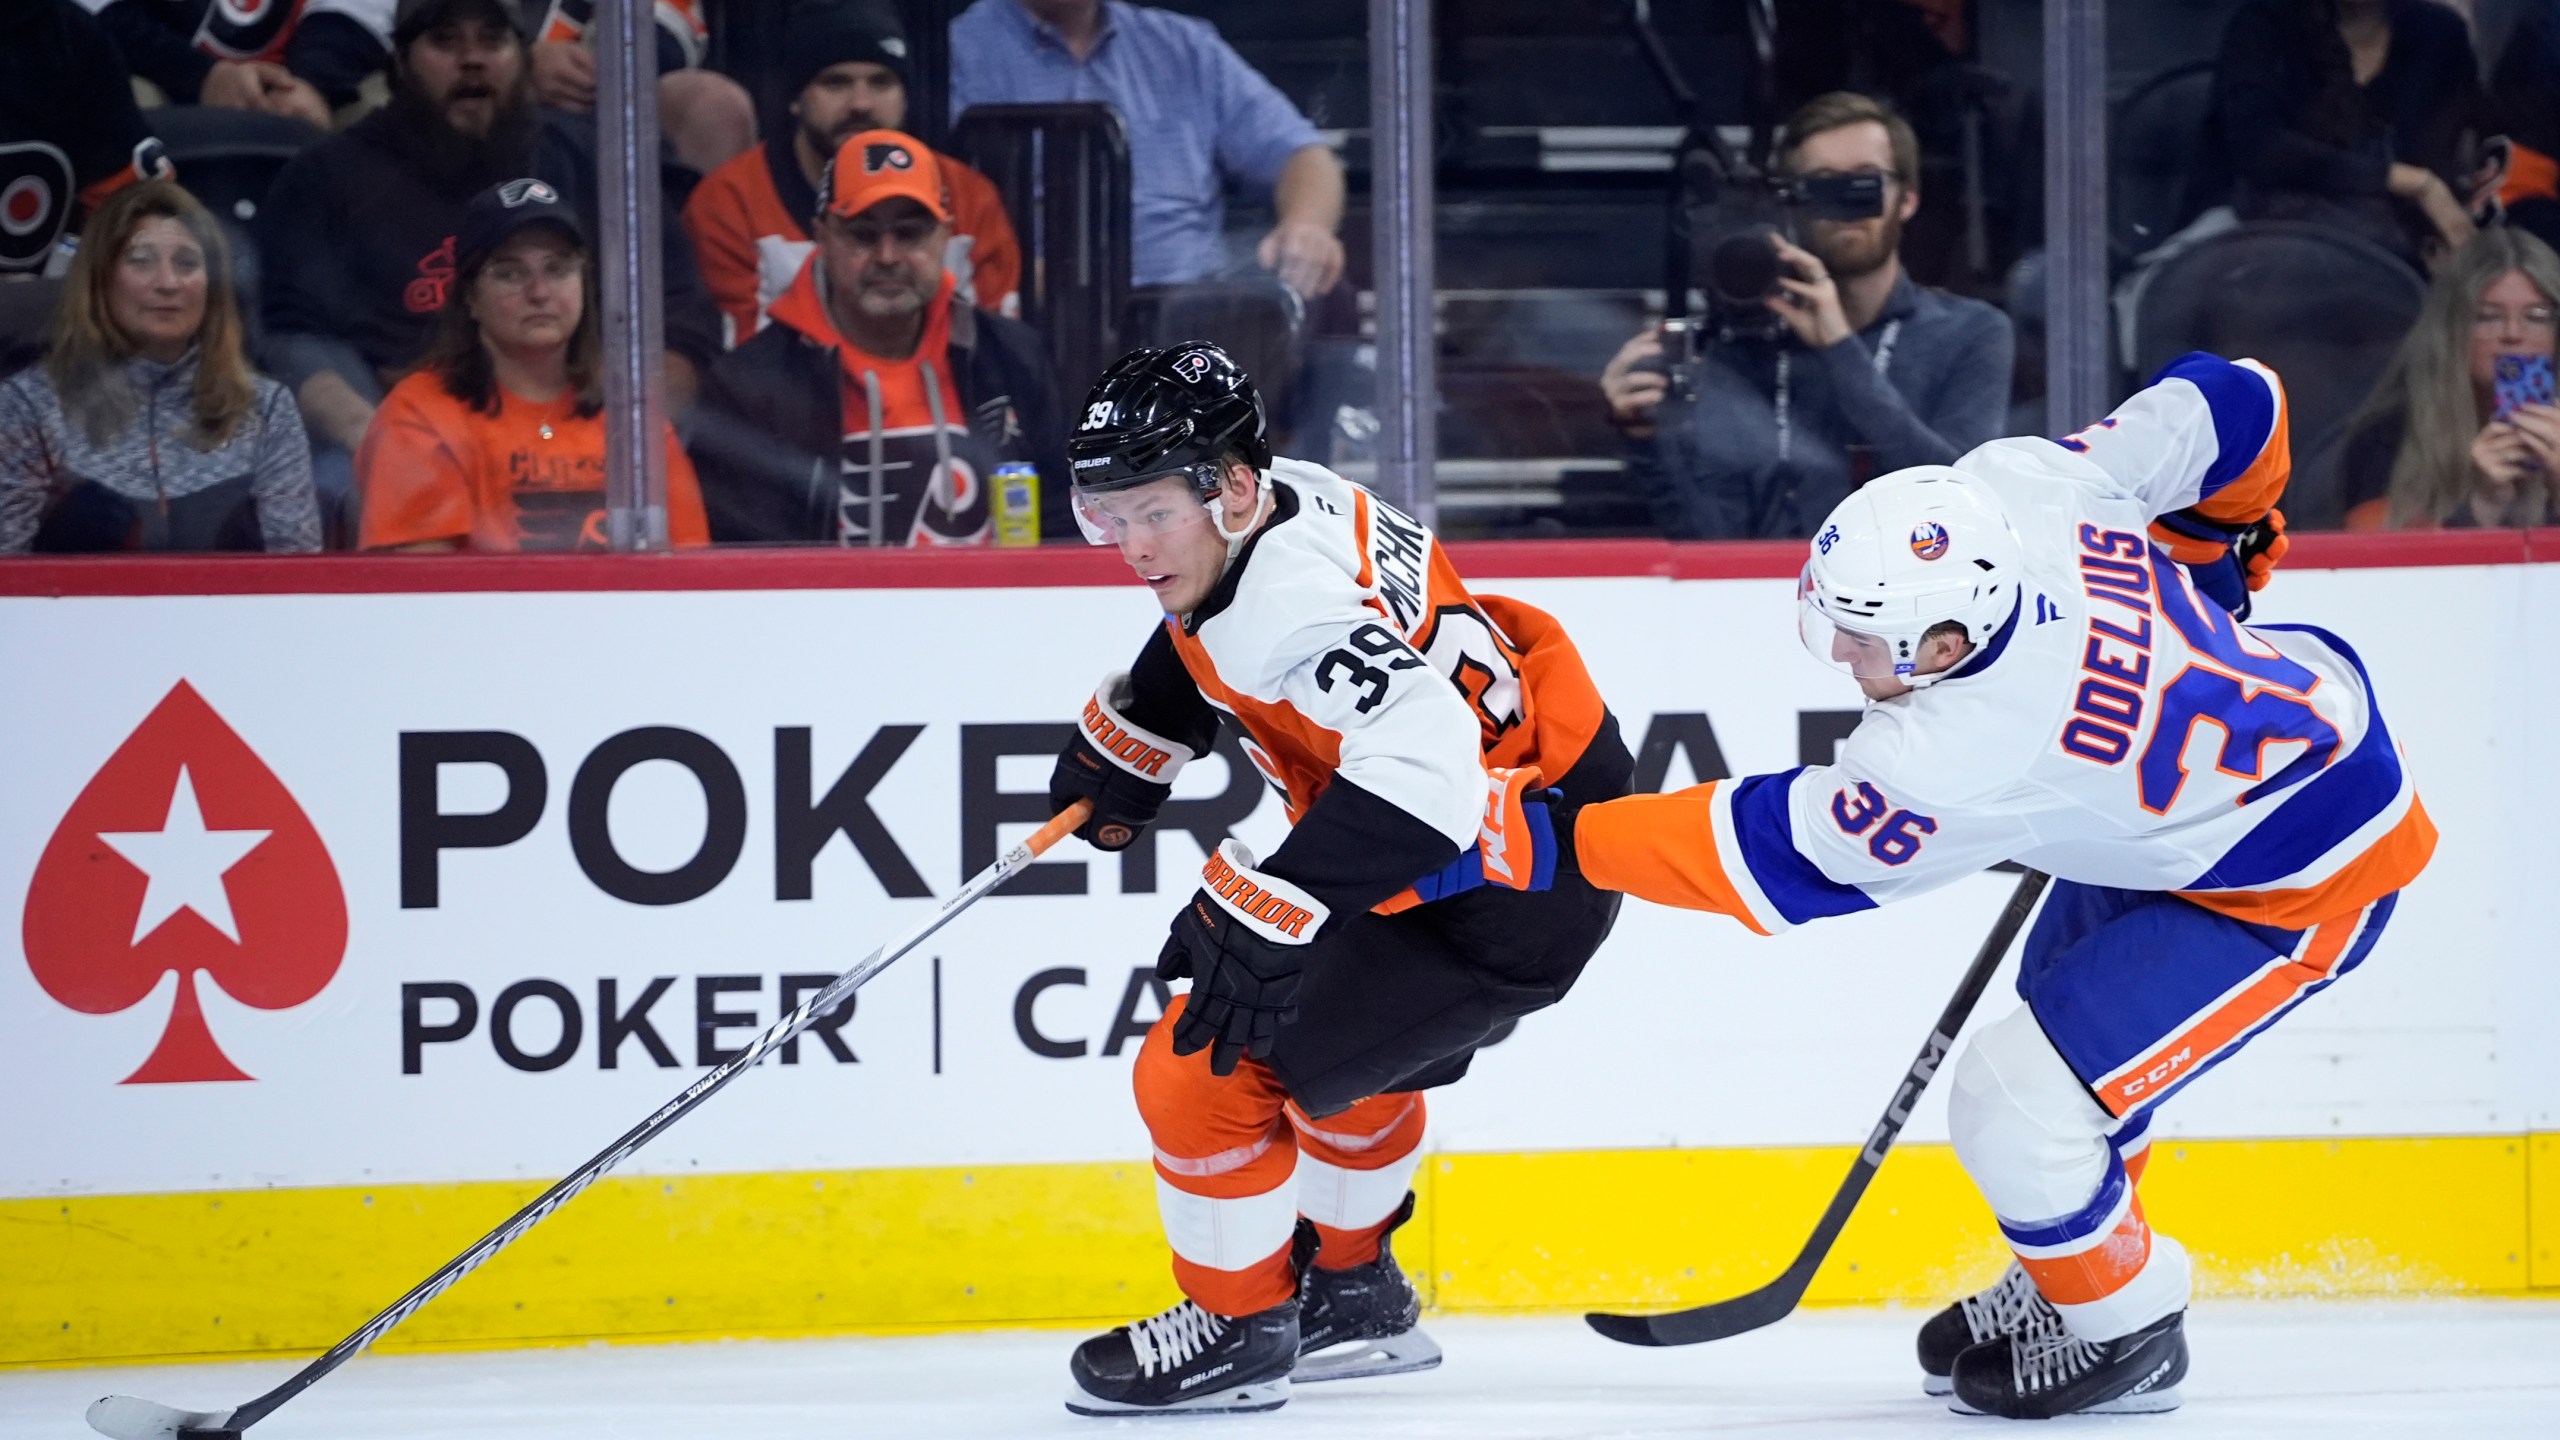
[[1819, 364]]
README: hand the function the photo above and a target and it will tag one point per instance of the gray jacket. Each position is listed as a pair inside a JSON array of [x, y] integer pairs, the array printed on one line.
[[1722, 464], [150, 488]]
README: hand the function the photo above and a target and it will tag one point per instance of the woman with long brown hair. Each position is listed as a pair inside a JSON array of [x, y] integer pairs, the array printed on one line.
[[145, 428], [496, 441], [2431, 448]]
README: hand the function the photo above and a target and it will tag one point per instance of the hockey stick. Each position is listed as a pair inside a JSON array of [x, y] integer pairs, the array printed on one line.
[[126, 1418], [1774, 1301]]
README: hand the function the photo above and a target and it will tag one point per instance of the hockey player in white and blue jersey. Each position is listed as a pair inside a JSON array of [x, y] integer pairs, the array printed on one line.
[[2049, 635]]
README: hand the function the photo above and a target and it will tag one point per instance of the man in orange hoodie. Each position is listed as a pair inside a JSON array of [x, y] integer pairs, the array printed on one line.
[[748, 217], [876, 407]]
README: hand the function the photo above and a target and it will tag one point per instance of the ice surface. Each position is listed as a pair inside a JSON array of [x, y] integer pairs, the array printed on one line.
[[2263, 1371]]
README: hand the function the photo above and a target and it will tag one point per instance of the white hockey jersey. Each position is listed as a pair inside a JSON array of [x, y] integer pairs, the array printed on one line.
[[1345, 645], [2119, 729]]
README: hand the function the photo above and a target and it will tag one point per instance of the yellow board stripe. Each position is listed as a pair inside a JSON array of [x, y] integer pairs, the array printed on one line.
[[130, 1277]]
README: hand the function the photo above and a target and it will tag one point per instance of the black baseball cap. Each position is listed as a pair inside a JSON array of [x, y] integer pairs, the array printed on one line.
[[416, 17], [497, 213]]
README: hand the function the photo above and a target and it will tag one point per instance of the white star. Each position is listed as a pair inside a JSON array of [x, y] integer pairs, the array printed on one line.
[[185, 863]]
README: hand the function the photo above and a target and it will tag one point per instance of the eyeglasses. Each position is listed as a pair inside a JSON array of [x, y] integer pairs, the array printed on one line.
[[911, 233], [516, 274], [2535, 317]]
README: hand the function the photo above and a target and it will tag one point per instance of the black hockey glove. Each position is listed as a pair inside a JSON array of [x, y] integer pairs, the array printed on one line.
[[1243, 941], [1124, 769]]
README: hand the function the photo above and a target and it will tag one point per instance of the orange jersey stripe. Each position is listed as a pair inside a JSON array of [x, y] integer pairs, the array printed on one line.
[[2099, 1272], [2182, 1054], [2258, 488], [1660, 848], [2391, 863]]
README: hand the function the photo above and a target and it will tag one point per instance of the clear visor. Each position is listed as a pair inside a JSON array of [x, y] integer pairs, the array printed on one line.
[[1854, 652], [1160, 507]]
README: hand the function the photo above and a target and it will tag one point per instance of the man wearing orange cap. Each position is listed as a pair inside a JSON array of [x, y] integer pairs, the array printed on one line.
[[875, 407]]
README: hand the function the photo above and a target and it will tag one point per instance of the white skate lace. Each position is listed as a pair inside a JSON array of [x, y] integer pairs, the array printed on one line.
[[1167, 1340], [2045, 1361], [2012, 1307]]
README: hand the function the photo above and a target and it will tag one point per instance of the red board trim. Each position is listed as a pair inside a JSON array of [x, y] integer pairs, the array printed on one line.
[[1049, 566]]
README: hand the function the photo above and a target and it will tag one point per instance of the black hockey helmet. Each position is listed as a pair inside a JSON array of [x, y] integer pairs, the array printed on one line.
[[1156, 413]]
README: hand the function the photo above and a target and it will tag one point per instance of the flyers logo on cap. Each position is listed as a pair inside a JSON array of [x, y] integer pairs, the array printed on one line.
[[527, 192], [884, 156]]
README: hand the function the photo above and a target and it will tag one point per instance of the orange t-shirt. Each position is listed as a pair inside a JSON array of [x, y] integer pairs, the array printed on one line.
[[749, 245], [530, 477]]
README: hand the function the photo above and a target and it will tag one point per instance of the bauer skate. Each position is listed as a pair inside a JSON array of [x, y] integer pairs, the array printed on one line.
[[2012, 1306], [1188, 1361], [2037, 1377], [1362, 1321]]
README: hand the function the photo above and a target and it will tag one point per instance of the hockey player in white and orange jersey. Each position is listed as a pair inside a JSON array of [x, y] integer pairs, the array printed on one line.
[[1413, 914], [2049, 637]]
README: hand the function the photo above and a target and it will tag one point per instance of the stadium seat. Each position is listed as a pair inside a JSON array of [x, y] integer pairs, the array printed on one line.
[[2152, 142], [2327, 310], [228, 158], [1255, 318], [1063, 171], [26, 319]]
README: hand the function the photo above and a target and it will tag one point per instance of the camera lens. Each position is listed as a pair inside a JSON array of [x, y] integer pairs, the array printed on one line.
[[1744, 268]]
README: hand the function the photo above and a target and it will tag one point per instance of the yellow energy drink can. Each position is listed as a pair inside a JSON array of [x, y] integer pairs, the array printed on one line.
[[1017, 497]]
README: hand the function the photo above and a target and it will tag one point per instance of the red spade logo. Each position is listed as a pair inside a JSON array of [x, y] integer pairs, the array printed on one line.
[[184, 853]]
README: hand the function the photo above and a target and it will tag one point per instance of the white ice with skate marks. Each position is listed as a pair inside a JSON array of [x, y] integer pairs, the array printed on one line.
[[2263, 1370]]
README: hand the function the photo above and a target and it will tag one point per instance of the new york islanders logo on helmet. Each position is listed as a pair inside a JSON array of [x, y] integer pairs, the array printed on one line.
[[1928, 539], [885, 156], [1191, 366]]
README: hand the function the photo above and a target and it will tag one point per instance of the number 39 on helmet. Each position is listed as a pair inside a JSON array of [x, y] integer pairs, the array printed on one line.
[[1907, 552]]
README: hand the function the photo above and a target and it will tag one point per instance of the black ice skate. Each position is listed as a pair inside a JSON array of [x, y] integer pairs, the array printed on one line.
[[2039, 1377], [1365, 1320], [1188, 1361], [2012, 1306]]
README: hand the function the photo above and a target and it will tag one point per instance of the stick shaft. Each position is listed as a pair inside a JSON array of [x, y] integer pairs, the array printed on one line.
[[809, 1012], [1775, 1300]]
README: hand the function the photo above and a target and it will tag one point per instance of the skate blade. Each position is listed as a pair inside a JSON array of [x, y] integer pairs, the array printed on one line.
[[1360, 1359], [2150, 1402], [1937, 1385], [1230, 1400]]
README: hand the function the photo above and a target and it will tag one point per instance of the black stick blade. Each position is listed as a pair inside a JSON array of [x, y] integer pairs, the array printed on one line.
[[1722, 1320]]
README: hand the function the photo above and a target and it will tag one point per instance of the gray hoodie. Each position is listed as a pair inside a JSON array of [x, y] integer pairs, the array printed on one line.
[[150, 487], [1722, 465]]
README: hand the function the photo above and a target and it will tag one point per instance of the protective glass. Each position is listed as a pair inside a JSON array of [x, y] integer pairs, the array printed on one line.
[[1851, 651], [1163, 506]]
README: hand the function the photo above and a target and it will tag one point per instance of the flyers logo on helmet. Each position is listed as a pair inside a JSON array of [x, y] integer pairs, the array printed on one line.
[[886, 156], [1191, 366]]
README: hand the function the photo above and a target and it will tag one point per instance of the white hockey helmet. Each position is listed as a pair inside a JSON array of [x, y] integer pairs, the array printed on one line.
[[1904, 553]]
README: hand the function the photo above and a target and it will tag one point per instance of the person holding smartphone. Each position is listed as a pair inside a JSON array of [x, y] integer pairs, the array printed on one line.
[[1758, 431], [2462, 430]]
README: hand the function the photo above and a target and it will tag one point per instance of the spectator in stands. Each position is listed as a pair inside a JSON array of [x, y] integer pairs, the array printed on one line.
[[496, 443], [2429, 449], [297, 58], [1863, 370], [2359, 114], [1197, 116], [358, 234], [846, 72], [2524, 94], [706, 116], [876, 406], [145, 428], [70, 133]]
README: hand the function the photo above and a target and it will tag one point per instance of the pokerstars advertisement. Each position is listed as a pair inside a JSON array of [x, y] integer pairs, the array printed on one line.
[[380, 888]]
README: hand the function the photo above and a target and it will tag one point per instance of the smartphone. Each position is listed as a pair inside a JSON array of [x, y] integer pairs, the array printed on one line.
[[2521, 380]]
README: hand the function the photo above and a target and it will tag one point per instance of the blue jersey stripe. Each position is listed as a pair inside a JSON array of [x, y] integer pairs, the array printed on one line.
[[1766, 837], [2244, 413], [2326, 811], [2081, 1224]]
